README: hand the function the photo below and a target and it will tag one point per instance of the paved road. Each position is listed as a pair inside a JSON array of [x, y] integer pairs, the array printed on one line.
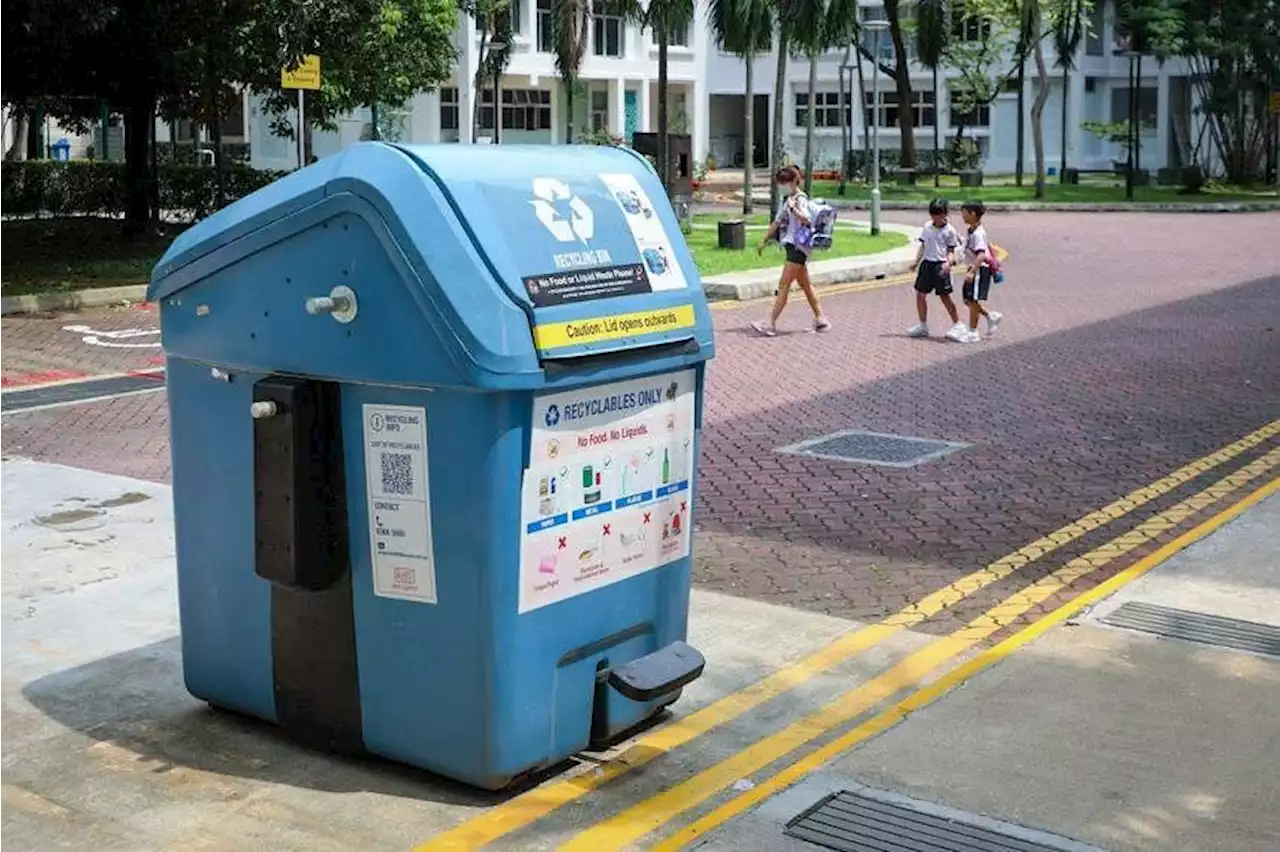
[[1133, 344]]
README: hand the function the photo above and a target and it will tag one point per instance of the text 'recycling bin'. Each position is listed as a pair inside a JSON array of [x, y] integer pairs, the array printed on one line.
[[435, 416]]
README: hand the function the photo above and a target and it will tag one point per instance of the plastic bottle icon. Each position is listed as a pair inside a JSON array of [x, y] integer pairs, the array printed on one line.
[[666, 466]]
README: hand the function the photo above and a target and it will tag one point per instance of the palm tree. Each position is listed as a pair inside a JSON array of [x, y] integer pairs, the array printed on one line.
[[1068, 32], [810, 31], [569, 22], [933, 18], [493, 21], [784, 11], [744, 28]]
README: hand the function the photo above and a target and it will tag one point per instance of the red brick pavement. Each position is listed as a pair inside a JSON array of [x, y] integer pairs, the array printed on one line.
[[36, 348], [1128, 350]]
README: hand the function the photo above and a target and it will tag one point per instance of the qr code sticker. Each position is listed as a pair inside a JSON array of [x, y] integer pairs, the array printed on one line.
[[397, 473]]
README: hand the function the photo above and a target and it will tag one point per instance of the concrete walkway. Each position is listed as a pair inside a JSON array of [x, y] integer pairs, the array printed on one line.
[[1099, 736]]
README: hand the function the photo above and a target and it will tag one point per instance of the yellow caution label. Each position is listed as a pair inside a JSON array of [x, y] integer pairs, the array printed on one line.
[[557, 335]]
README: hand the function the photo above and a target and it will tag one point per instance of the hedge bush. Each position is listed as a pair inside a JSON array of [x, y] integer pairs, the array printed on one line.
[[86, 188]]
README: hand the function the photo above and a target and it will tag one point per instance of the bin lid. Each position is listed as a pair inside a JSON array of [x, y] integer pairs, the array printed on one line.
[[582, 237]]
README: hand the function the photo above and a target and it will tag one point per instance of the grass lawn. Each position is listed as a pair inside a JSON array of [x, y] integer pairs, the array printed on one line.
[[713, 260], [60, 255], [1096, 190]]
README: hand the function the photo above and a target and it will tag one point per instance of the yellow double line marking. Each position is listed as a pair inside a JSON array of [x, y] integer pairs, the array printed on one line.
[[647, 816], [535, 804], [957, 676]]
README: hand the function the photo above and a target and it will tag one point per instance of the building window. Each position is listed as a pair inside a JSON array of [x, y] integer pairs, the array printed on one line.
[[876, 13], [679, 37], [826, 109], [1147, 107], [922, 104], [515, 12], [607, 30], [969, 27], [449, 109], [1093, 38], [522, 109], [545, 44], [978, 117], [599, 111]]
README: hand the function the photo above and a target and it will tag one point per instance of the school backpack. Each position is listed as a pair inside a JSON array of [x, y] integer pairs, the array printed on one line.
[[995, 261], [823, 218]]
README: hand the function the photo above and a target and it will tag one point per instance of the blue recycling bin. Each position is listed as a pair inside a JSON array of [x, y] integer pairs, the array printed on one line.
[[61, 150], [434, 414]]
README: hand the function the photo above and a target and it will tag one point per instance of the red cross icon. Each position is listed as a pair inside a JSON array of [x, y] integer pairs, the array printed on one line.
[[564, 542], [646, 517], [606, 529]]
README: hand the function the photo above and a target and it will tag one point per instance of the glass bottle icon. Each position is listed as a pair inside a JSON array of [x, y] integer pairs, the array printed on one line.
[[666, 466]]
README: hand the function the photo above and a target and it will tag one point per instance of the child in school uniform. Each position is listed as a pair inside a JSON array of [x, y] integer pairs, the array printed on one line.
[[932, 266], [977, 279]]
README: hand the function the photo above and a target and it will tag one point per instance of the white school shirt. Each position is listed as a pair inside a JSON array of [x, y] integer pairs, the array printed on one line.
[[938, 241], [976, 242]]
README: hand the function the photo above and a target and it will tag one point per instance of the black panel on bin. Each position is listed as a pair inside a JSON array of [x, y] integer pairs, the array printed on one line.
[[302, 548], [299, 516]]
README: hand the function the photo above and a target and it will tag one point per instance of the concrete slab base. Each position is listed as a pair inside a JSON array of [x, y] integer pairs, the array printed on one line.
[[104, 749]]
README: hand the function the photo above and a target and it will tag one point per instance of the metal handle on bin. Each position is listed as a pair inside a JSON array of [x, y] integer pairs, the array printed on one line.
[[339, 304], [263, 410]]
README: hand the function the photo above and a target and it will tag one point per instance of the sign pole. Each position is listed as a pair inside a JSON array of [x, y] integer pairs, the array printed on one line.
[[301, 133]]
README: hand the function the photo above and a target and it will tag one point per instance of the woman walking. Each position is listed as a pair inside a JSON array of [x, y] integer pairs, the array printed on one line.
[[793, 228]]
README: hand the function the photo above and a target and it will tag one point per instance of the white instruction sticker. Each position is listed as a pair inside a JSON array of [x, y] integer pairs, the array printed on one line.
[[395, 451], [646, 229], [606, 494]]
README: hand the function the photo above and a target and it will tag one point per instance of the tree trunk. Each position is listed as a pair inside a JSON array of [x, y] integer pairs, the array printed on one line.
[[808, 124], [862, 119], [1137, 117], [779, 111], [219, 159], [1022, 120], [1062, 168], [138, 174], [902, 77], [664, 95], [21, 126], [1037, 118], [842, 103], [568, 112], [748, 134], [477, 85], [937, 159]]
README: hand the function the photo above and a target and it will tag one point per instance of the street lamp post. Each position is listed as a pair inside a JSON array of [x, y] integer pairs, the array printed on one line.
[[876, 26]]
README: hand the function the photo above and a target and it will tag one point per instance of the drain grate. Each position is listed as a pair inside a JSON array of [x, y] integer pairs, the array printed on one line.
[[850, 822], [874, 448], [1197, 627]]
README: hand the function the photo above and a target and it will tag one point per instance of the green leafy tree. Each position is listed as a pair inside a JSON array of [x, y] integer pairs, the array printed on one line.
[[744, 28], [493, 24]]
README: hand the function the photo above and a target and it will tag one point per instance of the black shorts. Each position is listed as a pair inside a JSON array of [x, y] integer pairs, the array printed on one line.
[[978, 289], [795, 255], [933, 277]]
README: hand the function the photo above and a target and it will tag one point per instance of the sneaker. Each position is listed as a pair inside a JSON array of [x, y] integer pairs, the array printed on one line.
[[765, 329], [972, 336], [958, 332], [918, 330], [821, 324], [993, 323]]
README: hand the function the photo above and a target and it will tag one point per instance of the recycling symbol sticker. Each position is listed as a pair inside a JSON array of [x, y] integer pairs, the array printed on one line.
[[564, 214]]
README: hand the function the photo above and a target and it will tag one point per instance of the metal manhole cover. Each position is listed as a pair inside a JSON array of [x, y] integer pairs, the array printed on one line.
[[851, 822], [1196, 627], [859, 447]]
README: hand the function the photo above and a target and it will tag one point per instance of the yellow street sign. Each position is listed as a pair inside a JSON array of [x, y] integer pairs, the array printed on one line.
[[305, 76]]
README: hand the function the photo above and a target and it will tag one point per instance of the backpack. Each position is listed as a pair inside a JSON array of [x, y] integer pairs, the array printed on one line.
[[823, 218], [995, 261]]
